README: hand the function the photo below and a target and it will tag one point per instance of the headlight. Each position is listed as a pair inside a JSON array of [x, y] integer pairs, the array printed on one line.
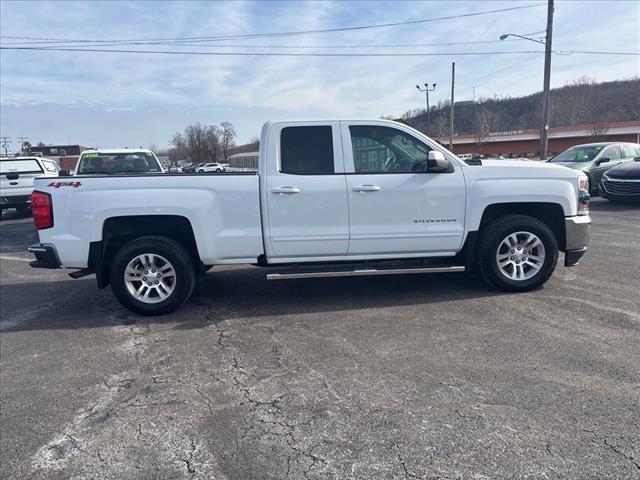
[[583, 195]]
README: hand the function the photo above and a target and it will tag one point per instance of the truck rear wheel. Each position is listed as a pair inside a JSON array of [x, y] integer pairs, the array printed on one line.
[[152, 275], [517, 253]]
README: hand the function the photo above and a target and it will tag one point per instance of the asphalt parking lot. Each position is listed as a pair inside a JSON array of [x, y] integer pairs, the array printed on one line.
[[422, 376]]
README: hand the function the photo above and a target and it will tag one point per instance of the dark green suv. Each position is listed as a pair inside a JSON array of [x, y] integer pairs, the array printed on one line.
[[596, 158]]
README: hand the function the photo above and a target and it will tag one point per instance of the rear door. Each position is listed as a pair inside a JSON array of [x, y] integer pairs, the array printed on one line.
[[397, 207], [305, 192]]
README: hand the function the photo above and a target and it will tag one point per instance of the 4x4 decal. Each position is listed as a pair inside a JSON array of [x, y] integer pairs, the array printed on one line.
[[64, 184]]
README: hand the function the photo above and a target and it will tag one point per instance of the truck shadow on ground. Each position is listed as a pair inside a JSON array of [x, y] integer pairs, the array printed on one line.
[[229, 294]]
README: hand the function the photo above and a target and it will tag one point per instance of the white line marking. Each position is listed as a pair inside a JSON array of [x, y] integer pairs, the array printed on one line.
[[16, 259]]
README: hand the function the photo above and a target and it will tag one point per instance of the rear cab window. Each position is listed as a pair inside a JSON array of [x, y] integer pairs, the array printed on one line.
[[94, 163], [20, 166]]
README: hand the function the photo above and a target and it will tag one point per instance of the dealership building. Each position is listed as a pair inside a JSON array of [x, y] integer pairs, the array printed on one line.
[[526, 143]]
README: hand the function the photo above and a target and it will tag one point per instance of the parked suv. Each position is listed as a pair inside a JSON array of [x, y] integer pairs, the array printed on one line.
[[16, 180], [211, 167], [596, 158]]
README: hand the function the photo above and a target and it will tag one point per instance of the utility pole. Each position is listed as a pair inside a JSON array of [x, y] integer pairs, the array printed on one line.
[[544, 133], [6, 141], [427, 90], [453, 81]]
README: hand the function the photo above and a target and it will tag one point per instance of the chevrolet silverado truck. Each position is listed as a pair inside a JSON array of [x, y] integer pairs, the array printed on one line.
[[334, 198]]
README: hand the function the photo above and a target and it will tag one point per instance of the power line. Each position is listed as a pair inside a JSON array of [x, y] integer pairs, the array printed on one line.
[[311, 54], [267, 54], [485, 31], [327, 46], [282, 34], [528, 59]]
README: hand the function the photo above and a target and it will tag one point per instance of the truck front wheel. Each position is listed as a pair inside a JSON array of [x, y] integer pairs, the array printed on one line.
[[152, 275], [517, 253]]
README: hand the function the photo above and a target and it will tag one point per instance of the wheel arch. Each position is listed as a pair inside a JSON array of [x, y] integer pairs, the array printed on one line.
[[551, 214], [117, 231]]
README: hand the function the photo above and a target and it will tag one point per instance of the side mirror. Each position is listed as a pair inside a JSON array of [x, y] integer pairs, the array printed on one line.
[[436, 163], [63, 173], [603, 160]]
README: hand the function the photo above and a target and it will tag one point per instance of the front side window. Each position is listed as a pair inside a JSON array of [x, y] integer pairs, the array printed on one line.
[[389, 150], [306, 150], [578, 154]]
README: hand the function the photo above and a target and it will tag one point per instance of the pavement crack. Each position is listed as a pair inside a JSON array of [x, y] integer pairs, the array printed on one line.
[[616, 449], [403, 464]]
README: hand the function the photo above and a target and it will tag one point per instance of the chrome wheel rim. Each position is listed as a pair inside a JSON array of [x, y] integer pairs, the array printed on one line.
[[150, 278], [520, 256]]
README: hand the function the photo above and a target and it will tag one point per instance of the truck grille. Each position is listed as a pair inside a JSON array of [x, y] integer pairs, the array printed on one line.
[[621, 187]]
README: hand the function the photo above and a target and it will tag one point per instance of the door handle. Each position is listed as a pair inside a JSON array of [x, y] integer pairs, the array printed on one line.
[[285, 190], [366, 188]]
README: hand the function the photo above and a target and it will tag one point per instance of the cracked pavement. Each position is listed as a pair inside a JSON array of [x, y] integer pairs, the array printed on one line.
[[414, 377]]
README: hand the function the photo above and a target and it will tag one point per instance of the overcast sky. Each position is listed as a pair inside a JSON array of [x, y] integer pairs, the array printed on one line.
[[125, 99]]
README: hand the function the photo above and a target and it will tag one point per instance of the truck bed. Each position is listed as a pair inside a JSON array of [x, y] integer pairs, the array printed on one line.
[[222, 208]]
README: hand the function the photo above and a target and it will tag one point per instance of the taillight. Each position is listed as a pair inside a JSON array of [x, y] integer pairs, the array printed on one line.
[[42, 210], [583, 196]]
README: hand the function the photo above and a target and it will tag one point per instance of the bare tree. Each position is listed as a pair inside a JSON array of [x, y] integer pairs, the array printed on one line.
[[153, 147], [227, 140], [598, 131]]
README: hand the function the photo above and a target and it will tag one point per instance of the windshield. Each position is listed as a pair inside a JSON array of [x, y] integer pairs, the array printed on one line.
[[20, 166], [579, 154], [129, 162]]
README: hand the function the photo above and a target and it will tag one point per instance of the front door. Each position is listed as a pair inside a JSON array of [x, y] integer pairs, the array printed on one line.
[[306, 193], [396, 207]]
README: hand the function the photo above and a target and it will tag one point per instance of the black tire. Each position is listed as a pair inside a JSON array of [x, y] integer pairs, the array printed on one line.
[[594, 189], [490, 240], [176, 254], [200, 171]]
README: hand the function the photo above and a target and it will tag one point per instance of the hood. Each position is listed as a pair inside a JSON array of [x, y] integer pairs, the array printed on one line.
[[575, 165], [524, 163], [628, 170]]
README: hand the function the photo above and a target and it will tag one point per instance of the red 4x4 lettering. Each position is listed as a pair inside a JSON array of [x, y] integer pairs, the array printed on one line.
[[64, 184]]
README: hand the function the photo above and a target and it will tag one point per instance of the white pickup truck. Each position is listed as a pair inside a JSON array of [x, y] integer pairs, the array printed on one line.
[[331, 198]]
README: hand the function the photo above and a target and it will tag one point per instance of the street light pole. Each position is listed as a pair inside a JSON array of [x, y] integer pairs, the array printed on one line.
[[426, 89], [544, 134], [544, 130]]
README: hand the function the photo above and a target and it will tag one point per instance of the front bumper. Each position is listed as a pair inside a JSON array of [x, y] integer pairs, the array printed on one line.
[[577, 233], [46, 256]]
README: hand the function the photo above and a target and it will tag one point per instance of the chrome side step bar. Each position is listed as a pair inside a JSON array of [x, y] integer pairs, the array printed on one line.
[[363, 272]]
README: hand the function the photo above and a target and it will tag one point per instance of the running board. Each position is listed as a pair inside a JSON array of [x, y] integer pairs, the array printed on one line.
[[363, 272]]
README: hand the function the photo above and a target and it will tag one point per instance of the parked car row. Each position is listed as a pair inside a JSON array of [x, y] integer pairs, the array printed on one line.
[[596, 158], [204, 168]]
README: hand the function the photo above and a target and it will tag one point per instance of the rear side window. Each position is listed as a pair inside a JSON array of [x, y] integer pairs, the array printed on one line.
[[629, 150], [612, 153], [306, 150]]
